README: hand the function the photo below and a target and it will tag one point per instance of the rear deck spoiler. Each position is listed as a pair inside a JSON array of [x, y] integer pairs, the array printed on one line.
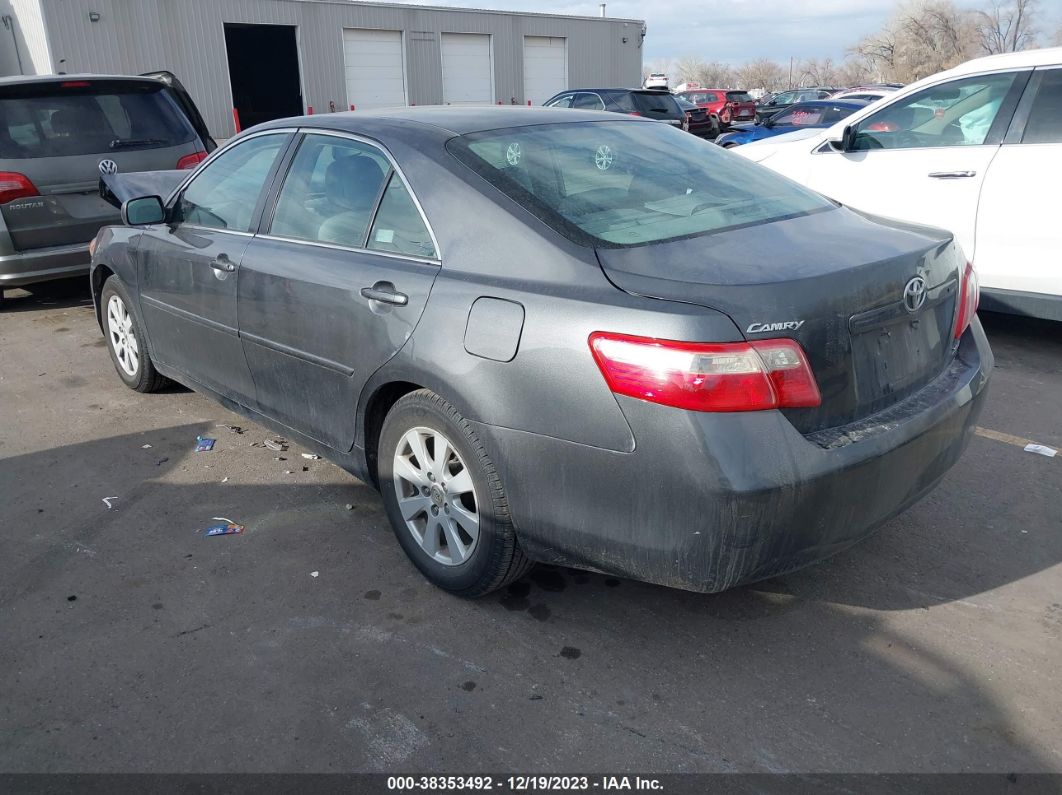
[[117, 189]]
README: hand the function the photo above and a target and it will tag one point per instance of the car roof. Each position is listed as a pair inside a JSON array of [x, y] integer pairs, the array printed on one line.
[[614, 88], [456, 120], [1010, 60], [844, 103], [17, 80]]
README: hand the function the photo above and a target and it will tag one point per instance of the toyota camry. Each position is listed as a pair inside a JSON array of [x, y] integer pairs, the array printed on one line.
[[556, 335]]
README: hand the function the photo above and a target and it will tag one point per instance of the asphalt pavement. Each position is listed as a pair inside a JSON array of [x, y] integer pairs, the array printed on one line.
[[130, 642]]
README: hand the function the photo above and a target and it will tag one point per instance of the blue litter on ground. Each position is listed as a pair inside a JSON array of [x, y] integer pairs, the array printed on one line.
[[202, 444]]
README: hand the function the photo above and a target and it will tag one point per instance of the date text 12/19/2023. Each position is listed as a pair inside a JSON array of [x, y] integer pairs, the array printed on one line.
[[522, 783]]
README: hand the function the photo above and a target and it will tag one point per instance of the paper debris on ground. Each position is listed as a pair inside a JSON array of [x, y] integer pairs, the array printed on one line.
[[276, 445], [108, 500], [1041, 449], [311, 456], [315, 573], [230, 428], [203, 444], [145, 447]]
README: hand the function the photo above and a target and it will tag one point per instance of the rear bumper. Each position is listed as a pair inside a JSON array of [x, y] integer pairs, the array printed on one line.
[[43, 264], [710, 501]]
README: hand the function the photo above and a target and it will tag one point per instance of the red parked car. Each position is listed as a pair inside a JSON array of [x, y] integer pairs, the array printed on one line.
[[729, 106]]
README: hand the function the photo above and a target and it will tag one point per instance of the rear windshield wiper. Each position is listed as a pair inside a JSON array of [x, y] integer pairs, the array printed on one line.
[[124, 143]]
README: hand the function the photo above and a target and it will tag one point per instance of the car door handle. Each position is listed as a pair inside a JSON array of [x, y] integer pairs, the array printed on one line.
[[952, 174], [385, 293], [223, 263]]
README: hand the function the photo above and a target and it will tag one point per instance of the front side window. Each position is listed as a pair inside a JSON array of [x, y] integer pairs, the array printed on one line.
[[956, 113], [605, 183], [1045, 120], [330, 191], [225, 193], [564, 101]]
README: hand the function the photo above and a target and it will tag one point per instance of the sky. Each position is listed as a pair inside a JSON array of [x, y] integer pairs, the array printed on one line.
[[736, 31]]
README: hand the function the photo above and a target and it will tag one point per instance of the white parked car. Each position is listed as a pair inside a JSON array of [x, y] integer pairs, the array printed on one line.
[[976, 150]]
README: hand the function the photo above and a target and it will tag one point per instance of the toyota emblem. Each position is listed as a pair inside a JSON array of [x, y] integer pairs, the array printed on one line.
[[108, 167], [914, 294]]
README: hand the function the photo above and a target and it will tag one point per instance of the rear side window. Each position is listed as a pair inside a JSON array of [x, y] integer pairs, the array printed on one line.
[[738, 96], [330, 192], [605, 184], [82, 117], [588, 102], [1045, 119], [656, 106], [399, 227]]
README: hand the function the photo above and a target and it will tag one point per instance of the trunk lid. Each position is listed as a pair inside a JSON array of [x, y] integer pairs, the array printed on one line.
[[834, 281]]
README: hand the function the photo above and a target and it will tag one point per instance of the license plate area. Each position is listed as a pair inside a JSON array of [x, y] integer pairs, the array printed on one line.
[[896, 353]]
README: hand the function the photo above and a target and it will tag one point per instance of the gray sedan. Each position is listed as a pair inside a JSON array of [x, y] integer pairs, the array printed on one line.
[[557, 335]]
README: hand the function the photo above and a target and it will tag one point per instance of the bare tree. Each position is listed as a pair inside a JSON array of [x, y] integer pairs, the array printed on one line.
[[856, 71], [922, 38], [1007, 26], [815, 72], [762, 73], [687, 68]]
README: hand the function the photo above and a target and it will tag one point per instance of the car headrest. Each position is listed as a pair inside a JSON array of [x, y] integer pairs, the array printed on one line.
[[353, 182]]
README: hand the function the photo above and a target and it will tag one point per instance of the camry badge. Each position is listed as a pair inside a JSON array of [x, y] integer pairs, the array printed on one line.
[[788, 325]]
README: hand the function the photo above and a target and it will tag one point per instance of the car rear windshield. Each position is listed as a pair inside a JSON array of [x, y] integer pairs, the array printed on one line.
[[81, 117], [655, 105], [628, 183], [739, 96]]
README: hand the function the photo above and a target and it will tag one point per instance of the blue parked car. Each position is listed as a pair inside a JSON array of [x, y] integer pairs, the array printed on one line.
[[820, 113]]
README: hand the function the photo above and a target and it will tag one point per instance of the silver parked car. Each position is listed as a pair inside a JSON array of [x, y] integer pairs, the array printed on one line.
[[57, 133]]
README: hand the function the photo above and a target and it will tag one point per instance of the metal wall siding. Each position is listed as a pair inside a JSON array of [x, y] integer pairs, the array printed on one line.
[[31, 34], [187, 37]]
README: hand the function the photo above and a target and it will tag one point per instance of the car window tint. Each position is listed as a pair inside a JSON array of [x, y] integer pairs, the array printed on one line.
[[399, 227], [1045, 120], [588, 102], [956, 113], [330, 191], [604, 183], [224, 194]]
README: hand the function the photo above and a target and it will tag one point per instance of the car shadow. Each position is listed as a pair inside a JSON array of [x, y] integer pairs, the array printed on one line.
[[58, 294]]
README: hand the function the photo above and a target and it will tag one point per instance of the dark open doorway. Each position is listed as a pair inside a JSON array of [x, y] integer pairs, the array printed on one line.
[[264, 72]]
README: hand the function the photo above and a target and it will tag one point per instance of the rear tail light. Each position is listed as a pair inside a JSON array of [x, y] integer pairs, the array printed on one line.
[[728, 376], [969, 298], [192, 160], [633, 113], [15, 186]]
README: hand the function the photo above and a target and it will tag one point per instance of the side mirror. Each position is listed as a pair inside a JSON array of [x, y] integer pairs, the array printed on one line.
[[143, 210], [846, 143]]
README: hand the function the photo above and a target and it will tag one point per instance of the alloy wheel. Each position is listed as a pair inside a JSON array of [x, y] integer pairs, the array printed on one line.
[[436, 496], [122, 336]]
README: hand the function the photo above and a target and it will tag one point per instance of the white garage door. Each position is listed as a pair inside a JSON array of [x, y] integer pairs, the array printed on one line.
[[545, 67], [467, 69], [374, 68]]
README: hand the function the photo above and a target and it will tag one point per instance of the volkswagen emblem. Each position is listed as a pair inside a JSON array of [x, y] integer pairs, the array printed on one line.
[[108, 167], [914, 294]]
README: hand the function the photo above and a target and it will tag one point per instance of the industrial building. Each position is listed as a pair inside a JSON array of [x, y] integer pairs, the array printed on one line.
[[274, 58]]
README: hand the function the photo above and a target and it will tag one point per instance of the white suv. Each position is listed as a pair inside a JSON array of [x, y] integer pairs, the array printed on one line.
[[976, 150]]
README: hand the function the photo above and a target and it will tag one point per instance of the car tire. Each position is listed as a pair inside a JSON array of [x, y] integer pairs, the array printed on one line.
[[126, 341], [432, 523]]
